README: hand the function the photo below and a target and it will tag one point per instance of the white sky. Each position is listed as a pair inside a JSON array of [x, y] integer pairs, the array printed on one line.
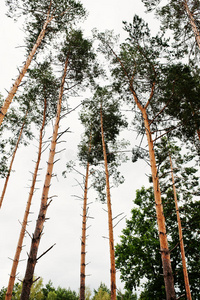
[[62, 264]]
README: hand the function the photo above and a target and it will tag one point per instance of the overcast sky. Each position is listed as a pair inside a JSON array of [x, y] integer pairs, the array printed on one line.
[[62, 263]]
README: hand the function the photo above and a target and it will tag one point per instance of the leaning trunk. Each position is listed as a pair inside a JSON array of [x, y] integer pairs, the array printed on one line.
[[192, 22], [32, 259], [185, 273], [165, 253], [26, 214], [15, 86], [110, 225], [12, 160]]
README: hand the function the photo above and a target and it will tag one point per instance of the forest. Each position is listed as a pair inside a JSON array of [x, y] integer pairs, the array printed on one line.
[[100, 150]]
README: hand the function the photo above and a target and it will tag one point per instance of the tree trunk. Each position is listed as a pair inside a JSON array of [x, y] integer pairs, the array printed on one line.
[[110, 225], [15, 86], [185, 273], [192, 22], [28, 280], [83, 239], [12, 160], [26, 214], [165, 254]]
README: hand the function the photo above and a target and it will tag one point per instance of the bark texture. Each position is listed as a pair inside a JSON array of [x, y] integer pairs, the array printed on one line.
[[32, 259], [185, 273], [12, 160], [110, 224], [26, 214], [83, 239], [165, 253], [192, 22]]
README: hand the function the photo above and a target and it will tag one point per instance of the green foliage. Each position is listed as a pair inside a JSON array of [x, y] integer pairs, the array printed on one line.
[[138, 256], [173, 16], [180, 90], [103, 293], [39, 292], [64, 14]]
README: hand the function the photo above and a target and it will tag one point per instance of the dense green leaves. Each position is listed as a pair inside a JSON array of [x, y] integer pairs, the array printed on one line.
[[138, 256]]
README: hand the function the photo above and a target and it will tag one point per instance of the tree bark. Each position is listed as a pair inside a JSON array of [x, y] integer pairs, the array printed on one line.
[[165, 254], [12, 160], [185, 273], [15, 86], [32, 259], [192, 22], [83, 239], [110, 225], [26, 214]]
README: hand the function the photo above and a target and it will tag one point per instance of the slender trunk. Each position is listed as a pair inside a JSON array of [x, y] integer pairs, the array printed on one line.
[[28, 279], [83, 239], [110, 225], [165, 253], [26, 214], [185, 273], [15, 86], [192, 22], [12, 160]]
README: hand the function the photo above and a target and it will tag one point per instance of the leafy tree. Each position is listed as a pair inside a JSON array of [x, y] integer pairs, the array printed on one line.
[[137, 254], [103, 122], [182, 17], [102, 293], [180, 90], [42, 91], [42, 17], [68, 56], [135, 72]]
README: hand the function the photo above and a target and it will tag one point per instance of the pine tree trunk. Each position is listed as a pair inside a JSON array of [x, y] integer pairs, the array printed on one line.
[[28, 280], [110, 225], [12, 160], [83, 239], [165, 254], [185, 273], [15, 86], [192, 22], [26, 214]]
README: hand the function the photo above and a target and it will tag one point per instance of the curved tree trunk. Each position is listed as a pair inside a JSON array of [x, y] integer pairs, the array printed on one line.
[[165, 253], [15, 86], [28, 279], [192, 22], [185, 273], [26, 214], [12, 160], [110, 225]]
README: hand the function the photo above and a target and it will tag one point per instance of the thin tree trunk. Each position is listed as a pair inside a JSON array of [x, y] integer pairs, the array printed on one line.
[[12, 160], [110, 225], [165, 253], [185, 273], [83, 239], [15, 86], [192, 22], [26, 214], [28, 280]]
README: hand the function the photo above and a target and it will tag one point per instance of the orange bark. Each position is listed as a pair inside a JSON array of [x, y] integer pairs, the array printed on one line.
[[28, 280], [26, 214], [110, 225], [185, 273], [165, 254], [12, 160], [192, 22], [15, 86], [83, 239]]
